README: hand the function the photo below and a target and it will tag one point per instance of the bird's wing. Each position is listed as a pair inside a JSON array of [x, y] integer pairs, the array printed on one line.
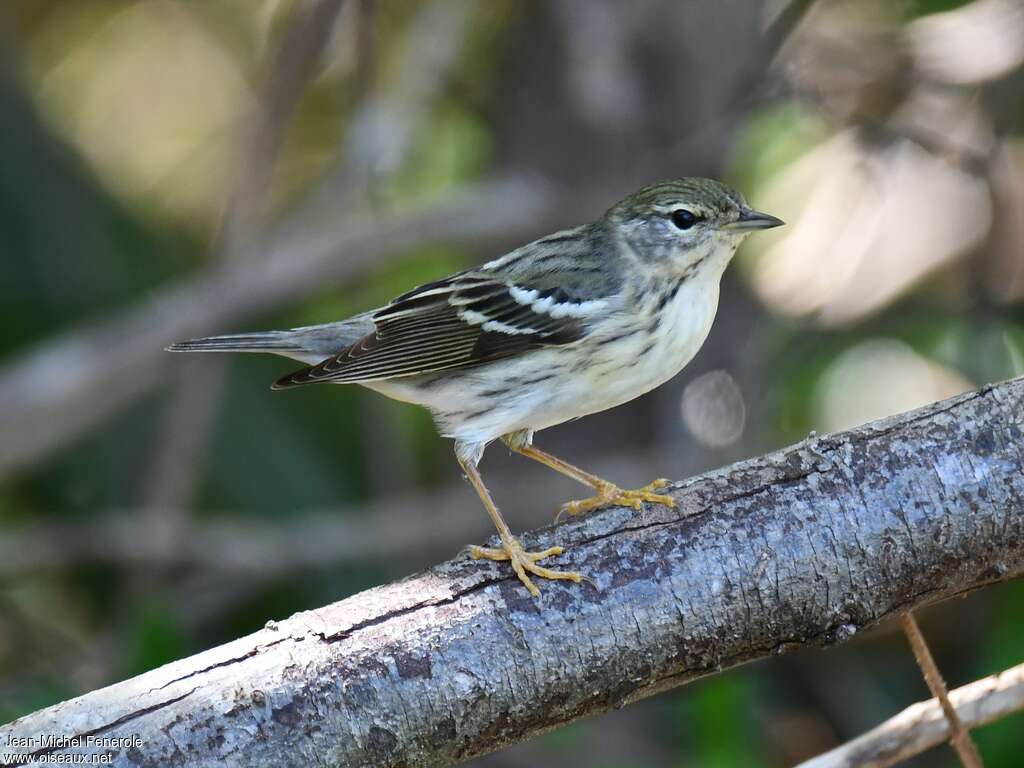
[[464, 320]]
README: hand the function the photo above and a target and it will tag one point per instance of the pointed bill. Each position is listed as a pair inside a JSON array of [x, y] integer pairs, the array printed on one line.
[[750, 220]]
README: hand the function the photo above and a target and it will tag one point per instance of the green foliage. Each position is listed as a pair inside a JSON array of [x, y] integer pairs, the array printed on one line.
[[712, 715], [154, 637], [916, 8]]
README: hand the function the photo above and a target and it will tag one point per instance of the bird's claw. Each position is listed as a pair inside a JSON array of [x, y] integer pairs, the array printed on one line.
[[611, 495], [523, 562]]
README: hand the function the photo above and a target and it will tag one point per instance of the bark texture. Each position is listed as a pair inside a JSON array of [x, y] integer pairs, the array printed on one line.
[[805, 546]]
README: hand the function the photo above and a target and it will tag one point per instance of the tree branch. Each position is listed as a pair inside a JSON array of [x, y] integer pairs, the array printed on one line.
[[806, 546], [923, 725]]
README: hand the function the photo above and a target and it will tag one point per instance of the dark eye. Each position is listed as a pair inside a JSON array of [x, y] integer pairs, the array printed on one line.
[[684, 219]]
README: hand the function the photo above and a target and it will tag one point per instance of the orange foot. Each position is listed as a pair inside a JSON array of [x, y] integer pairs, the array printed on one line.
[[610, 494], [523, 562]]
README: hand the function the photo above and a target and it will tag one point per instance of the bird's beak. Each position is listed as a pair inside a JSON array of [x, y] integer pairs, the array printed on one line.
[[750, 219]]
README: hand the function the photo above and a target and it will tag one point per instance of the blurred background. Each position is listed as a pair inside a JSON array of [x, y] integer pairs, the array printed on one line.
[[173, 168]]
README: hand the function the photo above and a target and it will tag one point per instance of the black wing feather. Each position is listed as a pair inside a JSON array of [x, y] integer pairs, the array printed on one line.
[[441, 325]]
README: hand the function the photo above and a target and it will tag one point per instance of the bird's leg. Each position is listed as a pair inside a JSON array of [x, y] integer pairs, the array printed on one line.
[[608, 494], [511, 550]]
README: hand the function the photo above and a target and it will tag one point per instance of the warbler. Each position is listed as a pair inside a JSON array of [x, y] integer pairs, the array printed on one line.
[[573, 323]]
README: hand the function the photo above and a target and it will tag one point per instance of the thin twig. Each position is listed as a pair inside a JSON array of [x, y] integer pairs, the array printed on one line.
[[923, 725], [959, 737]]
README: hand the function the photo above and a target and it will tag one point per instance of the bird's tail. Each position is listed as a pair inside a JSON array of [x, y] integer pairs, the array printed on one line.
[[310, 344], [277, 342]]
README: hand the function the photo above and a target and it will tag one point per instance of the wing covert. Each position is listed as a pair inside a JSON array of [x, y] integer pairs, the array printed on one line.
[[464, 320]]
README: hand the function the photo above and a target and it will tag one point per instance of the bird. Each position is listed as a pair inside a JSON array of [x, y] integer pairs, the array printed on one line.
[[573, 323]]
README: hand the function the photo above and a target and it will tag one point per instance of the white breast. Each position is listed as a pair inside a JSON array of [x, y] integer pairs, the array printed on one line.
[[646, 360]]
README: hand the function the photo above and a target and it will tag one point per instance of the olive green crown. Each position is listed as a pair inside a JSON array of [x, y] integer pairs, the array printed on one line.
[[704, 196]]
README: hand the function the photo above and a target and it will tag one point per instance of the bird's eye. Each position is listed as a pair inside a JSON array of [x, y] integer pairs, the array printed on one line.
[[684, 219]]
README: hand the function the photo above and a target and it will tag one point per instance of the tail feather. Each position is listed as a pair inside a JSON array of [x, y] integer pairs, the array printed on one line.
[[267, 341], [310, 344]]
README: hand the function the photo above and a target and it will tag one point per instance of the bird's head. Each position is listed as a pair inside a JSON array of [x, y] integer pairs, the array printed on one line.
[[686, 225]]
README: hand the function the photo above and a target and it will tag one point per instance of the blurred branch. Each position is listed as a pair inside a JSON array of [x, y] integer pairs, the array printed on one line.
[[248, 547], [384, 127], [292, 67], [923, 725], [67, 385], [175, 467], [806, 546], [783, 24], [90, 373]]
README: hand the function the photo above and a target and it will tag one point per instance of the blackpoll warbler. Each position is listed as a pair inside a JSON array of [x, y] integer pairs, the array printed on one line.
[[574, 323]]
